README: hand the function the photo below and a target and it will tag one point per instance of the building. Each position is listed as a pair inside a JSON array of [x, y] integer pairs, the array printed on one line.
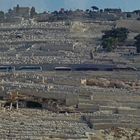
[[112, 10], [42, 17], [22, 11], [16, 12]]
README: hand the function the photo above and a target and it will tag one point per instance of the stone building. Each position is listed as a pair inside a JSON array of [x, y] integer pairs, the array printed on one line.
[[17, 12], [22, 11]]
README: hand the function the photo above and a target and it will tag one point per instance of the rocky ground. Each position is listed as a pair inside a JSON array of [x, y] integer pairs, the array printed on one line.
[[106, 83], [36, 124], [57, 42], [107, 101], [116, 134]]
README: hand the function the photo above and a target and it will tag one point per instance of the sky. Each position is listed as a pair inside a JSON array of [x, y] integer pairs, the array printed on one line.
[[51, 5]]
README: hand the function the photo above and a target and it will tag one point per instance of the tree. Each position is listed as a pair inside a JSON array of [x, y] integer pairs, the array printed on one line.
[[44, 12], [32, 12], [109, 44], [137, 12], [113, 37], [87, 10], [137, 43], [95, 8], [120, 33], [62, 11], [55, 13], [1, 15], [128, 15], [10, 11], [101, 10]]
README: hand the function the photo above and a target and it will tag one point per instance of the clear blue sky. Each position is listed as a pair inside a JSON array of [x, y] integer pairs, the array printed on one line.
[[50, 5]]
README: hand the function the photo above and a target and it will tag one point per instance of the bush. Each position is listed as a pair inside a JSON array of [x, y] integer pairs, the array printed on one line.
[[137, 43], [111, 38]]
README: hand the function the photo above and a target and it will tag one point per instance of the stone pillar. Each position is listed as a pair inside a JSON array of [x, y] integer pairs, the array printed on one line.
[[11, 105], [17, 105], [43, 79], [91, 97]]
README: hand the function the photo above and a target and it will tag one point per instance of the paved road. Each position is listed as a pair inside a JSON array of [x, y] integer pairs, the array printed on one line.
[[62, 67]]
